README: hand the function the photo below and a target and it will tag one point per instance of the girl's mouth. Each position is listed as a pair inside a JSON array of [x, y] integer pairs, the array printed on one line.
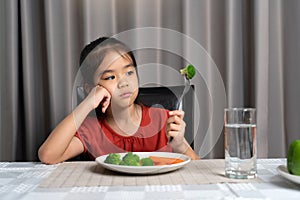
[[126, 94]]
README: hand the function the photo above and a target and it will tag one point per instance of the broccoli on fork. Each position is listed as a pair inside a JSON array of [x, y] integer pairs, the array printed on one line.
[[189, 71]]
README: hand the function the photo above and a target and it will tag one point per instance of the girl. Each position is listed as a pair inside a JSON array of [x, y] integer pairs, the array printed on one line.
[[121, 125]]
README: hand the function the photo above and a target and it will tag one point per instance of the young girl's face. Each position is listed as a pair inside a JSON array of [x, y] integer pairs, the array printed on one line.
[[118, 75]]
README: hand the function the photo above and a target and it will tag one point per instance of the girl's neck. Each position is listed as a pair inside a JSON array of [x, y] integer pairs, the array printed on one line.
[[125, 121]]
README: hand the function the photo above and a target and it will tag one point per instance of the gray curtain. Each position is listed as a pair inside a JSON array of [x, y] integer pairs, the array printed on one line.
[[253, 44]]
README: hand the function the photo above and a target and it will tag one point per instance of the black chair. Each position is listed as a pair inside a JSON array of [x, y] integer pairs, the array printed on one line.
[[167, 97]]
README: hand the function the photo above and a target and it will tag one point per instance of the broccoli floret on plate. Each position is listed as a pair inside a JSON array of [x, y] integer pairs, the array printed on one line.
[[113, 158], [147, 162], [131, 159]]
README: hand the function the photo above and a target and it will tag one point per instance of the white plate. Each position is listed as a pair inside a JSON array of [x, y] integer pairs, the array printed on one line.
[[283, 171], [146, 169]]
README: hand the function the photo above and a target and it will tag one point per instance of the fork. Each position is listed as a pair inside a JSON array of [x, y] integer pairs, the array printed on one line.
[[187, 86]]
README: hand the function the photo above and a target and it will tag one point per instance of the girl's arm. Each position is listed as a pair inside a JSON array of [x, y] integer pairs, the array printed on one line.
[[176, 129], [61, 143]]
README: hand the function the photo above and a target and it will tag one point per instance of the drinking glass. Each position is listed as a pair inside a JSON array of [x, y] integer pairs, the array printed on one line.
[[240, 143]]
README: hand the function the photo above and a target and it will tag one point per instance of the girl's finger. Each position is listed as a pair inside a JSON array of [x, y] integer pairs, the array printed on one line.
[[172, 134], [105, 104], [178, 113], [175, 119], [174, 127]]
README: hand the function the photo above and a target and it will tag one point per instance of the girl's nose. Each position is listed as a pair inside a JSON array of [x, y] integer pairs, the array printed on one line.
[[123, 83]]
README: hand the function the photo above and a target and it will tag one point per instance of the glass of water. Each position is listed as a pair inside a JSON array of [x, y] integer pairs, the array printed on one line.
[[240, 143]]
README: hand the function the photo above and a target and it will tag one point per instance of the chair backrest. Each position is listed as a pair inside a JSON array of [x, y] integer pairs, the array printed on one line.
[[167, 97]]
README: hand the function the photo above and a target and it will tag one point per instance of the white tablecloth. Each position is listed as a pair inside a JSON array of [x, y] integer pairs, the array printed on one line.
[[23, 180]]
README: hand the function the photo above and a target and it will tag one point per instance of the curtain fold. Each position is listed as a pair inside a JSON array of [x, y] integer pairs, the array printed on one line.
[[276, 119], [291, 60], [252, 44], [63, 49], [10, 119], [34, 78], [261, 63], [236, 45]]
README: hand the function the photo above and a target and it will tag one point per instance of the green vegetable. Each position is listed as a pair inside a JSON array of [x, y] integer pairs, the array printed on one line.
[[293, 159], [113, 158], [131, 160], [189, 71], [147, 162]]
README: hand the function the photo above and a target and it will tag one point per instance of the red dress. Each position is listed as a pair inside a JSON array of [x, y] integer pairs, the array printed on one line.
[[99, 139]]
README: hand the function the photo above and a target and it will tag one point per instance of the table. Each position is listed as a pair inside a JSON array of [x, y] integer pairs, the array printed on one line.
[[76, 180]]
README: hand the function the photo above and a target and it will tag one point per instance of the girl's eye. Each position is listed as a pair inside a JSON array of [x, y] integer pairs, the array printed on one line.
[[109, 78], [129, 73]]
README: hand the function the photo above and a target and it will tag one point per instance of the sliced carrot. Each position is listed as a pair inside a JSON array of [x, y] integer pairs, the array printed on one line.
[[158, 160]]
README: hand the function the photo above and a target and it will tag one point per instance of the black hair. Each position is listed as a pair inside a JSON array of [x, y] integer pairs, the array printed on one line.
[[88, 48], [93, 54]]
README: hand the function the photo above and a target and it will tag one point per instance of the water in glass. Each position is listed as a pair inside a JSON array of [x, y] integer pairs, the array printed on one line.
[[240, 150]]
